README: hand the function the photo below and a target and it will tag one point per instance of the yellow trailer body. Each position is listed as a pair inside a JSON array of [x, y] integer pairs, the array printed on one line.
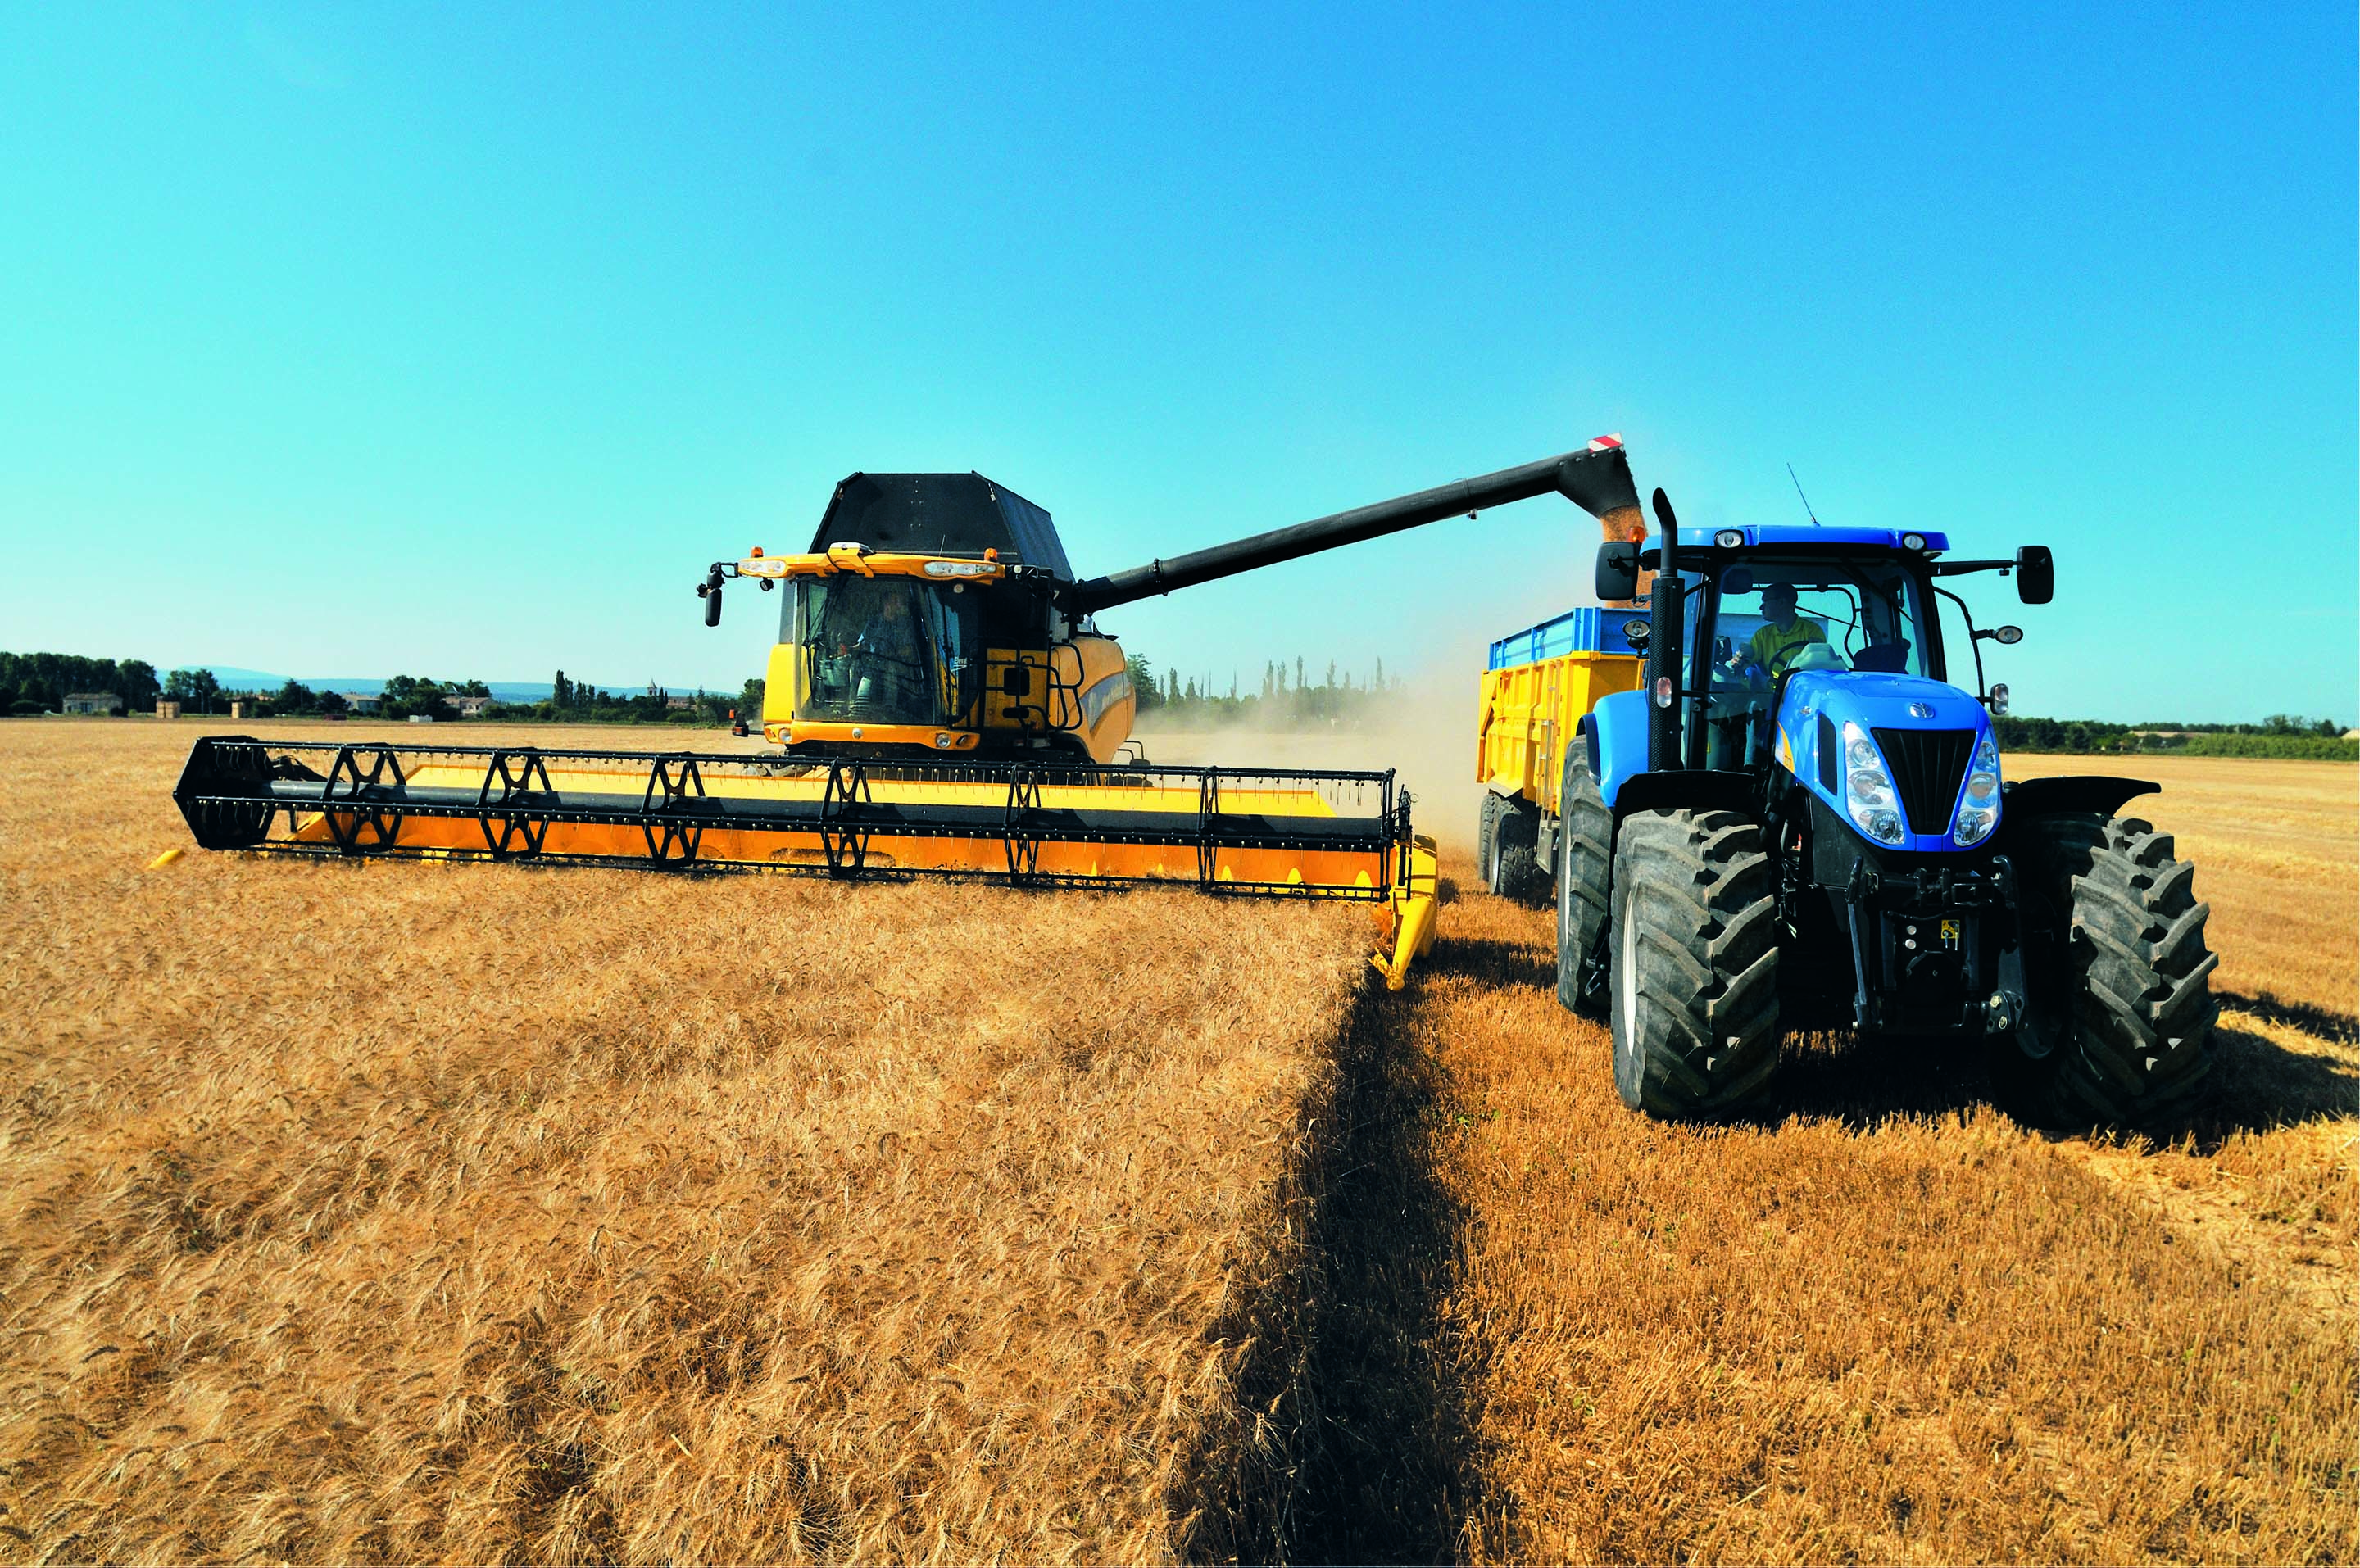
[[1541, 681], [1539, 684]]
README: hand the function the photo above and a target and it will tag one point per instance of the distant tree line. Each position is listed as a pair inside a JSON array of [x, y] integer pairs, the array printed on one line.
[[2281, 734], [1288, 697], [39, 682]]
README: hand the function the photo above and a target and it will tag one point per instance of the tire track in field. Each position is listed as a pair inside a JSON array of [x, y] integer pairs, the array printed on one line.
[[1881, 1321]]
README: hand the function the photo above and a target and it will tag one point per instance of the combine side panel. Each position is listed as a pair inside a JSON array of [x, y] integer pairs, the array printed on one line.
[[1541, 681]]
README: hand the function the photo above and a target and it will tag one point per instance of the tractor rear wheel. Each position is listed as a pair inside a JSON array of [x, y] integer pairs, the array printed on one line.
[[2125, 1010], [1512, 866], [1584, 837], [1694, 988]]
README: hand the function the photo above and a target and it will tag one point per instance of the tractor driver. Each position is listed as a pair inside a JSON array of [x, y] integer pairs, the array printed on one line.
[[1782, 633]]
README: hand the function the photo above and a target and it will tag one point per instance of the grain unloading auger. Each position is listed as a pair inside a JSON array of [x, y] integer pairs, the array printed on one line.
[[944, 704]]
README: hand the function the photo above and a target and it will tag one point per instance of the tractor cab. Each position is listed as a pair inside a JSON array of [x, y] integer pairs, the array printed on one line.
[[1759, 615], [1761, 607]]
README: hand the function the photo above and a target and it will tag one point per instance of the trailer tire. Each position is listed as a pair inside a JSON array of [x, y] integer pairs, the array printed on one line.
[[1585, 840], [2126, 1008], [1694, 985], [1487, 828], [1512, 866]]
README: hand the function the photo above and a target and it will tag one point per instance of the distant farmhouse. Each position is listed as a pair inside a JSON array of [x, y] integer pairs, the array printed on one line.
[[468, 707], [90, 702], [358, 702]]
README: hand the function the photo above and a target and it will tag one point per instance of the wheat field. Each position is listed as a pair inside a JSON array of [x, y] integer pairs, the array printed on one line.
[[1879, 1321], [483, 1214]]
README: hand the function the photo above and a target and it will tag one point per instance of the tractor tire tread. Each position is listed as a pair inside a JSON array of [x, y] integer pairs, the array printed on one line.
[[2135, 1050], [1698, 888]]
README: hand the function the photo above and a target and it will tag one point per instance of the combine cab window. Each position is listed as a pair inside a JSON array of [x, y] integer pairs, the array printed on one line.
[[883, 650]]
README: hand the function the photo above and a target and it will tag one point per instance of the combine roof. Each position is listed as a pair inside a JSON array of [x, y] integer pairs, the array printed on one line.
[[940, 514]]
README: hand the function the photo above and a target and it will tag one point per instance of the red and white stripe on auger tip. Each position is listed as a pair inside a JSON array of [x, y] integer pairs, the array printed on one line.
[[1606, 444]]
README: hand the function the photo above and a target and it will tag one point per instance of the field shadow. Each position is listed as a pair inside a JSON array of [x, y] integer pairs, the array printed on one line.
[[2259, 1084], [1382, 1459], [1836, 1075], [2324, 1022], [1490, 963]]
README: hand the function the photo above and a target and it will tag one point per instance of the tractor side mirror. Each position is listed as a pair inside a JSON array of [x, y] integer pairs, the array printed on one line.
[[2035, 574], [710, 592], [1637, 631], [1617, 570], [2007, 636], [1016, 680]]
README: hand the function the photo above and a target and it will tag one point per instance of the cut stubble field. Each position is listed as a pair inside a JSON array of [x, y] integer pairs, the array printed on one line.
[[482, 1213], [479, 1212]]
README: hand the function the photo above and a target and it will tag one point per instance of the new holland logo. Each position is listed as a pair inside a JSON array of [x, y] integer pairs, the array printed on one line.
[[1922, 710]]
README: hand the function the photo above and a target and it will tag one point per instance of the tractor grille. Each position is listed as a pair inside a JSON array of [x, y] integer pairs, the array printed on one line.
[[1927, 768]]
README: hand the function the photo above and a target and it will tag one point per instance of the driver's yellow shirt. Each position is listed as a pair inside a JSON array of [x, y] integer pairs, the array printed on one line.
[[1768, 645]]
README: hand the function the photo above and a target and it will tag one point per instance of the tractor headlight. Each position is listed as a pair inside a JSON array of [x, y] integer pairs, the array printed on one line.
[[1868, 788], [1978, 803]]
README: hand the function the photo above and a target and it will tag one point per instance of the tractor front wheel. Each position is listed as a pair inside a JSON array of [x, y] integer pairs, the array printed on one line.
[[1694, 982], [2123, 1006], [1583, 837]]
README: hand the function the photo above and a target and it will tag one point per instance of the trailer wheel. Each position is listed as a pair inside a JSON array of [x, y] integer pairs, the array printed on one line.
[[1487, 829], [1584, 841], [2125, 1008], [1694, 989], [1512, 864]]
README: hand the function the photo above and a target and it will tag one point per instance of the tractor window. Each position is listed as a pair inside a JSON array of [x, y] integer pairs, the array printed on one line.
[[871, 651], [1778, 615], [1773, 616]]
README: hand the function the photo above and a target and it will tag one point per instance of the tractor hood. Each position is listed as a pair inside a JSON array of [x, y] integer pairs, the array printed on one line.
[[1925, 733]]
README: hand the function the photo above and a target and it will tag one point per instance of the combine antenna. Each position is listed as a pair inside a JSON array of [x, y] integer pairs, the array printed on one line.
[[1800, 496]]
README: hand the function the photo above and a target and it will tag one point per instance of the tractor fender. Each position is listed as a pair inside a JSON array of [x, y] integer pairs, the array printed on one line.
[[1690, 789], [1615, 732], [2024, 799]]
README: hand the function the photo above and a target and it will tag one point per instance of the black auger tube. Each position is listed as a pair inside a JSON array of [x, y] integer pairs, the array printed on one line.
[[1597, 481]]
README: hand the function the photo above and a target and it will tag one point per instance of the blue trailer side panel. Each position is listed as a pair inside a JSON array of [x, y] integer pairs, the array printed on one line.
[[1577, 631]]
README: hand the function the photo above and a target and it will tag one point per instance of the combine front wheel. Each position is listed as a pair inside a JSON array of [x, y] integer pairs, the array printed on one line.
[[1695, 972], [2125, 1008]]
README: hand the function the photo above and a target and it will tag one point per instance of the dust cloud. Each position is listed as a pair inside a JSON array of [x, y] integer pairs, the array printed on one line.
[[1427, 736]]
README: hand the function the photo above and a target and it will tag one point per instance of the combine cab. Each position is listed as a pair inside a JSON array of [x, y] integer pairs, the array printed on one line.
[[943, 702]]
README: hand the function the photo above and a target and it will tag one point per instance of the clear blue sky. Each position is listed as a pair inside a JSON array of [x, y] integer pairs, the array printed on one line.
[[348, 340]]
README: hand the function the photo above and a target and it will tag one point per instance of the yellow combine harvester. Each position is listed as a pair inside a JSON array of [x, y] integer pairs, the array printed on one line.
[[943, 702]]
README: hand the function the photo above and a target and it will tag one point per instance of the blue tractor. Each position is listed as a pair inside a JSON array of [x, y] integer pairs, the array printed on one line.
[[1799, 822]]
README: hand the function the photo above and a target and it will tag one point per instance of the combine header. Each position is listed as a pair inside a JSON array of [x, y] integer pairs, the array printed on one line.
[[944, 704]]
